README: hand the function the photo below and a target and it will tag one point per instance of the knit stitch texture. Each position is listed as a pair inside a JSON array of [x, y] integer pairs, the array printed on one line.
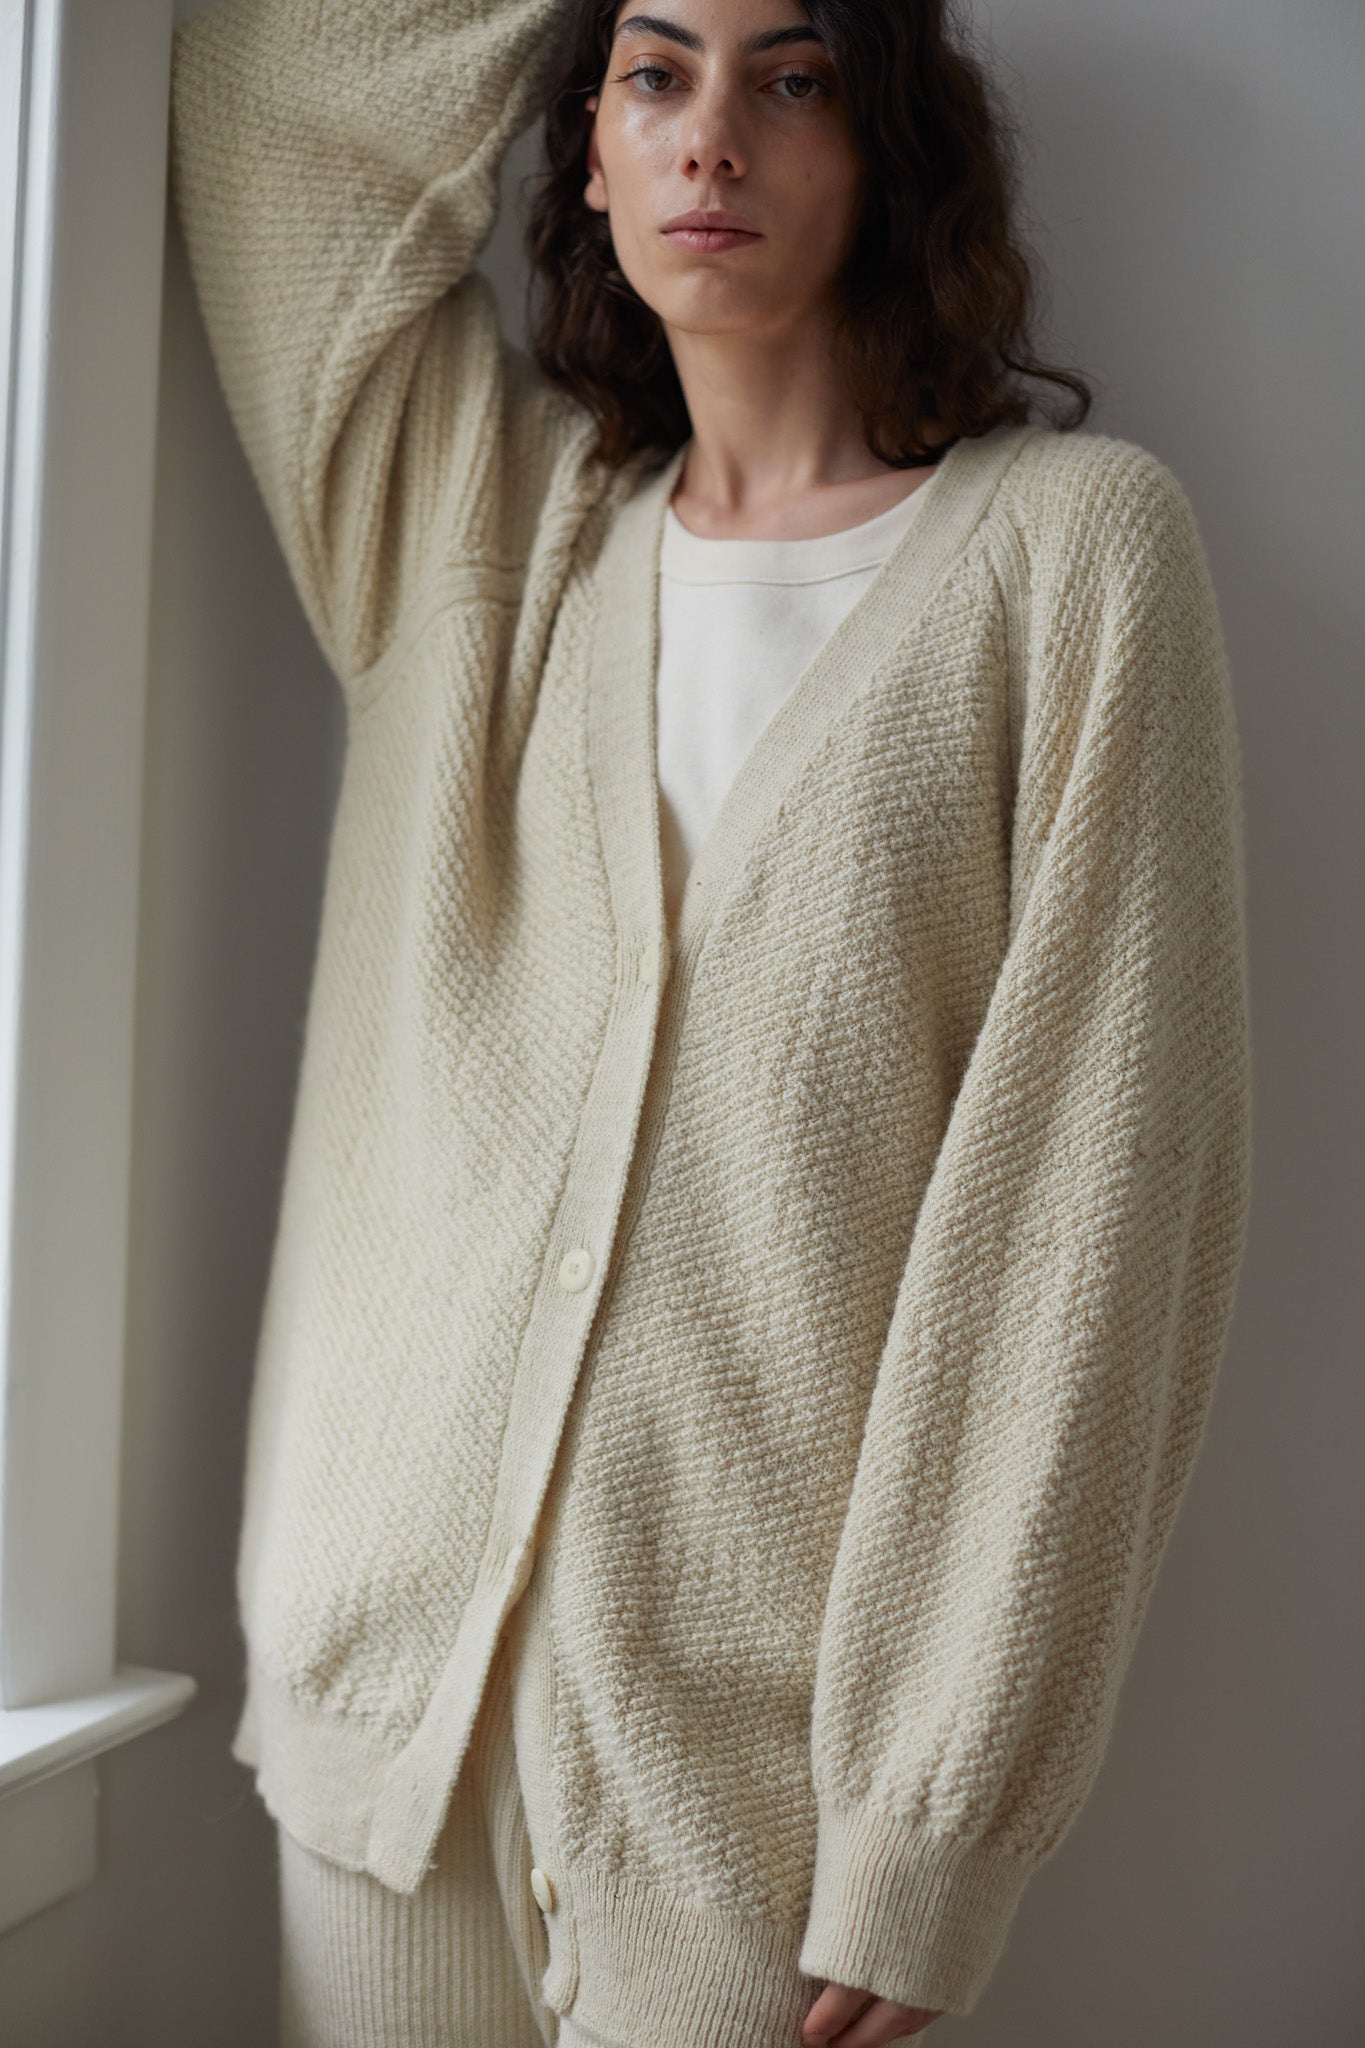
[[831, 1301]]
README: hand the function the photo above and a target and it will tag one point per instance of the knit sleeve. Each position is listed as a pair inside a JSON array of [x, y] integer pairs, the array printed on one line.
[[1063, 1308], [334, 169]]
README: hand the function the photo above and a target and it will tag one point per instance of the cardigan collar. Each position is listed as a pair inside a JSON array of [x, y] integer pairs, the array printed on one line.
[[622, 734]]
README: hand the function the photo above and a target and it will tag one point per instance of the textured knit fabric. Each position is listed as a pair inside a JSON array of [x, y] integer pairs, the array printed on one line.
[[739, 622], [832, 1299], [462, 1961]]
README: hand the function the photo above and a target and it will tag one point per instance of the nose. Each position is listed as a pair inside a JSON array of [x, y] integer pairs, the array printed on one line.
[[712, 141]]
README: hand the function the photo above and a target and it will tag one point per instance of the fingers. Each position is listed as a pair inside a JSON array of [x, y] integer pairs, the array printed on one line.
[[836, 2008], [845, 2018], [881, 2023]]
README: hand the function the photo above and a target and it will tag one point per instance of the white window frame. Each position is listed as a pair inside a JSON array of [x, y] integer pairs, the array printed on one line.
[[83, 127]]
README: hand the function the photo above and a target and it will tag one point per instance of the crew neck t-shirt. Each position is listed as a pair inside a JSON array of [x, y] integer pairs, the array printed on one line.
[[739, 623]]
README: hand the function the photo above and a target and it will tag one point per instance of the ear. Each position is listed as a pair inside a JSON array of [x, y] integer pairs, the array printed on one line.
[[595, 191]]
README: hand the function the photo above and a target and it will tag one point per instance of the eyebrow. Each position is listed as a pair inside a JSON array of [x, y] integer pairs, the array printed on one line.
[[674, 32]]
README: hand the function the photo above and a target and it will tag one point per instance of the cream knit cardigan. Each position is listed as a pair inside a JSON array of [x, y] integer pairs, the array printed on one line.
[[833, 1302]]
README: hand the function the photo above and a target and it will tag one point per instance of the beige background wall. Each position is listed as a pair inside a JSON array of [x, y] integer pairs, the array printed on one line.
[[1196, 175]]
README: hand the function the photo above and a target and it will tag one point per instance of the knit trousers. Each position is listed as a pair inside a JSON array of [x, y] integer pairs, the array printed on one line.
[[457, 1963]]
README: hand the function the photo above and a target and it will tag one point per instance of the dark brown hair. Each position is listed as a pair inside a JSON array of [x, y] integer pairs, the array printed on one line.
[[938, 298]]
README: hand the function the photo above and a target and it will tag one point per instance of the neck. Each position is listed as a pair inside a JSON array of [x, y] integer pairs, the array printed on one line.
[[778, 448]]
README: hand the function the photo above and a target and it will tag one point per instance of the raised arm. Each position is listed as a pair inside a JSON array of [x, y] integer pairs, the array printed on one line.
[[334, 167]]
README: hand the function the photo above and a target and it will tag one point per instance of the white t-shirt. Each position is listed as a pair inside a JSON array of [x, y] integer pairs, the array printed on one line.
[[740, 621]]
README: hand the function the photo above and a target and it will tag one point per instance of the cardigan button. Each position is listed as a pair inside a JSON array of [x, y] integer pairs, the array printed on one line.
[[544, 1891], [576, 1270]]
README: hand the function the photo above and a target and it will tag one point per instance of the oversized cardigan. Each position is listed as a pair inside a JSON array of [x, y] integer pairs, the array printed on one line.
[[830, 1302]]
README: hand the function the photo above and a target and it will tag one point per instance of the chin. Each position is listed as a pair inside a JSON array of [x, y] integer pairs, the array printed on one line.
[[709, 311]]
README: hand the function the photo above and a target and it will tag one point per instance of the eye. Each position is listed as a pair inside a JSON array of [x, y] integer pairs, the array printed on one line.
[[801, 78], [643, 71]]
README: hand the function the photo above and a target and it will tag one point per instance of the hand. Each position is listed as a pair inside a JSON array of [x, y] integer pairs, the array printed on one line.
[[844, 2018]]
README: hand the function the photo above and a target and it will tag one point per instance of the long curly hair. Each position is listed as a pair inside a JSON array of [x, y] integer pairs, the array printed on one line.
[[939, 295]]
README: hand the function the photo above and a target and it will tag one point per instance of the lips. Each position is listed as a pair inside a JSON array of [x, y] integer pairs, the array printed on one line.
[[711, 233], [718, 221]]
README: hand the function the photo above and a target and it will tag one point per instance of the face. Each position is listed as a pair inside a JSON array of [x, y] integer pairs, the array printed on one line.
[[732, 109]]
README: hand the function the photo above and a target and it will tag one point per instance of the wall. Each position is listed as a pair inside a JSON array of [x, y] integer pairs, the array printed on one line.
[[174, 1943], [1201, 170], [1195, 177]]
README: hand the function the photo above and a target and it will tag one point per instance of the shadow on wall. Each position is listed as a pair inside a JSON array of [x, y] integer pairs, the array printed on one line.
[[1202, 177]]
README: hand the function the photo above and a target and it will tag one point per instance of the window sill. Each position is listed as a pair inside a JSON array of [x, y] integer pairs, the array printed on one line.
[[48, 1786]]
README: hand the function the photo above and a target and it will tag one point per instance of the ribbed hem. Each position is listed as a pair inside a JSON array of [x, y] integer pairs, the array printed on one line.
[[913, 1916], [634, 1963], [916, 1917], [320, 1775], [654, 1967]]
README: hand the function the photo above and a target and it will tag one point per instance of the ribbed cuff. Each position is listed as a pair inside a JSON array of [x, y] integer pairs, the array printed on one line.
[[912, 1916]]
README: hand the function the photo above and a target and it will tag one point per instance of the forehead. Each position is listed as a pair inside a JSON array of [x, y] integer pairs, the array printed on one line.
[[749, 25]]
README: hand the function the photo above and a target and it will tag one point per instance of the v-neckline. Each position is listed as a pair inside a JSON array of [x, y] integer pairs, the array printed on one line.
[[623, 739]]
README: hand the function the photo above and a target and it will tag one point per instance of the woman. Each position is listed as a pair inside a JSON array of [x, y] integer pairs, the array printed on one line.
[[771, 1156]]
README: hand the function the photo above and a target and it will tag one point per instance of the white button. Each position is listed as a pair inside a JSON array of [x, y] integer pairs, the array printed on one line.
[[544, 1891], [576, 1269]]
